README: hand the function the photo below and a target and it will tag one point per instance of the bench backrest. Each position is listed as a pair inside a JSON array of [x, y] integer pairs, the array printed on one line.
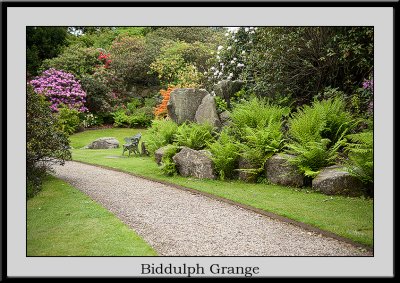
[[137, 136], [135, 139]]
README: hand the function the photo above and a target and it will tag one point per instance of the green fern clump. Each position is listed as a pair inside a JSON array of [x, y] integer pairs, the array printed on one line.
[[257, 125], [338, 120], [256, 113], [316, 134], [225, 153], [313, 155], [161, 133], [261, 143], [168, 166], [194, 136], [361, 156]]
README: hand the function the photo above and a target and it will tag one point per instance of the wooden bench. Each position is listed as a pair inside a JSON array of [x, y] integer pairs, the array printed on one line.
[[132, 144]]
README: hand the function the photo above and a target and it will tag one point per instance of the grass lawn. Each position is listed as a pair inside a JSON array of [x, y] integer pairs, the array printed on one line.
[[345, 216], [62, 221]]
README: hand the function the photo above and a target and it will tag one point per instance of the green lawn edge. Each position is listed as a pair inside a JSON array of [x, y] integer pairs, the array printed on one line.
[[348, 217], [62, 221]]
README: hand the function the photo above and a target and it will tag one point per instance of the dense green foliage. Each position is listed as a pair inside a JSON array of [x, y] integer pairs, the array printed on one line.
[[131, 59], [168, 166], [317, 133], [207, 35], [296, 62], [161, 133], [257, 125], [141, 117], [261, 143], [68, 120], [75, 59], [45, 143], [256, 113], [225, 154], [182, 64], [194, 136], [361, 156], [104, 91], [43, 43]]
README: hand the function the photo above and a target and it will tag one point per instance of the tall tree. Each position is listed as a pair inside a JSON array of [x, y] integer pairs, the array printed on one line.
[[43, 43]]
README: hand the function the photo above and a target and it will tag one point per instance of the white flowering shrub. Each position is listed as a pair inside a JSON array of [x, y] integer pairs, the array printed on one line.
[[231, 58], [294, 64]]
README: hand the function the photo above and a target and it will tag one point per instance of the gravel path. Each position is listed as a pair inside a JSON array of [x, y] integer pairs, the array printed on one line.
[[180, 223]]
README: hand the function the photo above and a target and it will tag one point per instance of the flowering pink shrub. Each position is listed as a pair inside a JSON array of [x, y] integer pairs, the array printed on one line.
[[60, 88]]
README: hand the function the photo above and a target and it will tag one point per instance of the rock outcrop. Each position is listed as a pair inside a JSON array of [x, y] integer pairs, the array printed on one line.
[[334, 180], [280, 172], [207, 112], [183, 104], [194, 163]]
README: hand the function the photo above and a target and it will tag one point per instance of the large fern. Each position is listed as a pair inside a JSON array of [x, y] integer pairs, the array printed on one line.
[[194, 136], [256, 113], [262, 142], [316, 134], [313, 155], [225, 153], [168, 166], [338, 120], [161, 133], [360, 151]]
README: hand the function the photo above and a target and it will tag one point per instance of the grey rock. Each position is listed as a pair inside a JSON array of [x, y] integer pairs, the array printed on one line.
[[243, 174], [280, 172], [226, 89], [225, 119], [207, 112], [183, 104], [334, 180], [103, 143], [159, 153], [195, 163]]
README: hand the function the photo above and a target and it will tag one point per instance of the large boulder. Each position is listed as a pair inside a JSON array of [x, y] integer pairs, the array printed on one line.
[[245, 175], [103, 143], [195, 163], [334, 180], [226, 89], [207, 112], [183, 104], [280, 172]]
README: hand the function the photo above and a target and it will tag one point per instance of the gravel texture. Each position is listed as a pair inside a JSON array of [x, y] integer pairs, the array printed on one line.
[[180, 223]]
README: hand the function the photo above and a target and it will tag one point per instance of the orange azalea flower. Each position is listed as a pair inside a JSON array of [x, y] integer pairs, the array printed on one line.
[[161, 110]]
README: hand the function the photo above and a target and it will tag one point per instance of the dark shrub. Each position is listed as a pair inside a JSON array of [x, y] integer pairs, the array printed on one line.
[[46, 144]]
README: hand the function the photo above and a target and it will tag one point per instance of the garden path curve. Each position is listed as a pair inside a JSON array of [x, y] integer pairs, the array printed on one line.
[[181, 223]]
